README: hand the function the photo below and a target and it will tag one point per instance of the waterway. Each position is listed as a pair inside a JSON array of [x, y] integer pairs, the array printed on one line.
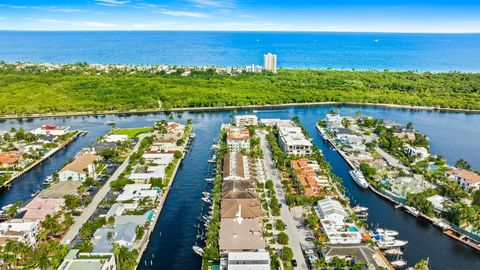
[[453, 134]]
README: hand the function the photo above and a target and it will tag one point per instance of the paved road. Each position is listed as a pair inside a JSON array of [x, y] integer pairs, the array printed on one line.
[[87, 212], [292, 232]]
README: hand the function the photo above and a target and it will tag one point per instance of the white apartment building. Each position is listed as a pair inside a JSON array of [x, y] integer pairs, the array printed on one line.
[[293, 142], [259, 260], [246, 120], [270, 62]]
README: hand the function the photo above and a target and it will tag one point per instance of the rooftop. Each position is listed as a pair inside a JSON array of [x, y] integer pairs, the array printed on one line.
[[80, 163]]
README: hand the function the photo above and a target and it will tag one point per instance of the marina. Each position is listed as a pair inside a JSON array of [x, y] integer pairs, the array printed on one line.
[[171, 242]]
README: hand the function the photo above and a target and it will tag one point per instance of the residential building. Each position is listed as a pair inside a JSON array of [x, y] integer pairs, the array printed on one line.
[[293, 141], [25, 232], [246, 120], [465, 178], [437, 202], [239, 234], [80, 168], [420, 153], [117, 209], [307, 173], [247, 208], [258, 260], [270, 62], [238, 138], [164, 146], [47, 138], [91, 261], [333, 121], [136, 192], [254, 68], [9, 159], [158, 158], [39, 208], [355, 252], [100, 146], [232, 185], [334, 223], [142, 174], [273, 122], [51, 129], [235, 166]]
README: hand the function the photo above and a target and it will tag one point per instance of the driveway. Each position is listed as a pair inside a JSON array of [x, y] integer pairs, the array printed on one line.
[[286, 216]]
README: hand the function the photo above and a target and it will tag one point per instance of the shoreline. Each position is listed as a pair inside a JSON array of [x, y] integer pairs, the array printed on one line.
[[228, 108]]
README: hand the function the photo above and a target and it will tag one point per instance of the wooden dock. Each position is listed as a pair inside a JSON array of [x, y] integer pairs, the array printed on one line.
[[7, 184]]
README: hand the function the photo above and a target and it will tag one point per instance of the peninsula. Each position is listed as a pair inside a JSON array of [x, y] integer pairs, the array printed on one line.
[[81, 88]]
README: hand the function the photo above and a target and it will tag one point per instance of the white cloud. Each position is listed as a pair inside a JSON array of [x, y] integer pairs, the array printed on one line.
[[214, 3], [180, 13], [76, 23], [112, 3]]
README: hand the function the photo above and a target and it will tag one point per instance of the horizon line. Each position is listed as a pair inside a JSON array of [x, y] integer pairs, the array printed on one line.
[[246, 31]]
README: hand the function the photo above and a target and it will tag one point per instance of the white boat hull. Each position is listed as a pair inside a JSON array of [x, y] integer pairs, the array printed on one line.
[[359, 178]]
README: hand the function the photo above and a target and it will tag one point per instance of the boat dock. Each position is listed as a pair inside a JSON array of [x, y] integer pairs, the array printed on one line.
[[7, 184]]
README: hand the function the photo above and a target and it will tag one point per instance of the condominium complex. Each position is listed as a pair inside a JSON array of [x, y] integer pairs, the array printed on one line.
[[293, 141], [238, 138], [246, 120], [270, 62]]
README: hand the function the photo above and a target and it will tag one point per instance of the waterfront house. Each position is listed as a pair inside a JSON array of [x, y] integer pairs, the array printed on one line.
[[247, 208], [102, 240], [92, 261], [51, 129], [235, 166], [246, 120], [164, 146], [80, 168], [39, 208], [158, 158], [258, 260], [116, 138], [25, 232], [307, 173], [334, 223], [238, 138], [117, 209], [467, 179], [47, 139], [9, 159], [98, 147], [333, 121], [232, 185], [354, 252], [239, 234], [142, 174], [437, 202], [277, 122], [136, 192], [293, 142], [420, 153], [401, 186]]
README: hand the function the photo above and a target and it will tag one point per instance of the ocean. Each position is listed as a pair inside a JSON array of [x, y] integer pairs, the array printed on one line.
[[300, 50]]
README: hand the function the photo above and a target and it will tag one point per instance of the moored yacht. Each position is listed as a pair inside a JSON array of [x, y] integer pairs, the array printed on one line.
[[198, 250], [359, 178], [412, 210]]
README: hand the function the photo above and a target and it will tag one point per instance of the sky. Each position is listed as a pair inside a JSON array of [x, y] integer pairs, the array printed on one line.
[[421, 16]]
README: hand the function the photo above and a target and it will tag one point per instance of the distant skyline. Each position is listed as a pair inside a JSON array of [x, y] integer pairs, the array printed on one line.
[[423, 16]]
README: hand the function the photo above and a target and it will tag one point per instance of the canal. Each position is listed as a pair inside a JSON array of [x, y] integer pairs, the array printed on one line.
[[454, 135]]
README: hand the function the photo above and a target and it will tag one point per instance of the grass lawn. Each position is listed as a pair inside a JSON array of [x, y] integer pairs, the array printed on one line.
[[131, 132]]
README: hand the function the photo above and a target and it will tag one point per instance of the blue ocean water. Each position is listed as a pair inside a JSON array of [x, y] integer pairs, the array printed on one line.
[[423, 52]]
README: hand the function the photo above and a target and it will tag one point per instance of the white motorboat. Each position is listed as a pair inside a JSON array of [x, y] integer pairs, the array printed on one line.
[[209, 180], [205, 193], [109, 123], [394, 251], [359, 209], [198, 250], [207, 200], [35, 193], [359, 178], [213, 159], [391, 243], [412, 210], [386, 232], [398, 262]]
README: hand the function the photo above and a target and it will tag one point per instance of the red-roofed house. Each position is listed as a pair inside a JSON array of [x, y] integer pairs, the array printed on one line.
[[39, 208], [466, 179], [9, 159], [238, 138]]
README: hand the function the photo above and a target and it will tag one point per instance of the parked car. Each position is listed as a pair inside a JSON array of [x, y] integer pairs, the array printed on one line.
[[309, 251], [309, 239], [294, 263]]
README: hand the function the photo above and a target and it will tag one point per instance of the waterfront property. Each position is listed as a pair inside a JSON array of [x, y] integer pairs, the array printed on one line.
[[308, 174], [241, 234], [25, 232], [259, 260], [465, 178], [80, 168], [235, 166], [51, 129], [237, 138], [246, 120], [293, 141], [94, 261]]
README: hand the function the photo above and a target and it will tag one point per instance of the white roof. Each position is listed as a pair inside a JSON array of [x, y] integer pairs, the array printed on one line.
[[249, 255], [330, 206], [159, 158], [18, 226], [259, 260], [293, 136], [116, 138]]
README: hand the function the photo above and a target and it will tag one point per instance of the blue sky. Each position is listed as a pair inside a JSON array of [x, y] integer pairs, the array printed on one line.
[[439, 16]]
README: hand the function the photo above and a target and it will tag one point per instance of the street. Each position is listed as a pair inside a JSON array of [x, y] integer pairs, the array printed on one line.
[[291, 230]]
